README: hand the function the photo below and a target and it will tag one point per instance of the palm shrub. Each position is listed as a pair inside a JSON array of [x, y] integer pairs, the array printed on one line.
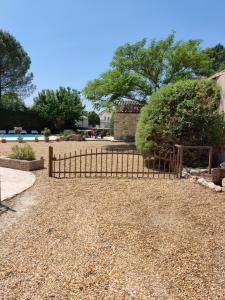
[[185, 112], [22, 152]]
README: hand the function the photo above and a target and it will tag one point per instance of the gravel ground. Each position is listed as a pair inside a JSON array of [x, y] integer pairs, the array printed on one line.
[[111, 238]]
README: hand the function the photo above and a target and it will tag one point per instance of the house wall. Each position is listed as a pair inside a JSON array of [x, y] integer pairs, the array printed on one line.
[[221, 82], [125, 126], [105, 119]]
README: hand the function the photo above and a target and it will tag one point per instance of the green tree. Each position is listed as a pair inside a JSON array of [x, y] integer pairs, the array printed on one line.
[[217, 55], [14, 67], [93, 118], [11, 102], [61, 107], [139, 69], [185, 112]]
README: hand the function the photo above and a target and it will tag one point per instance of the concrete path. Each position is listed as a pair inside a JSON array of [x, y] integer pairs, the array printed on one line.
[[14, 182]]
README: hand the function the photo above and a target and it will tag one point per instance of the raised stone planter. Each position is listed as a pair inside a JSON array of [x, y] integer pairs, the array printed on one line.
[[24, 165]]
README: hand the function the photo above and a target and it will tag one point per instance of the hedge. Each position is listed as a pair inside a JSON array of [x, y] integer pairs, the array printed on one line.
[[28, 120]]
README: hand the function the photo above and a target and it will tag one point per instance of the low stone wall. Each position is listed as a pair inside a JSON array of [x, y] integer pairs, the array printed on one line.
[[125, 126], [23, 165], [72, 137]]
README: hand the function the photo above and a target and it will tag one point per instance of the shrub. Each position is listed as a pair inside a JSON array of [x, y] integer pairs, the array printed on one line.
[[68, 134], [20, 139], [185, 112], [47, 132], [22, 152]]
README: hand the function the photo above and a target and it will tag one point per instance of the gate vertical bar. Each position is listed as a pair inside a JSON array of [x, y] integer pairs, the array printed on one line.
[[116, 162], [59, 166], [85, 163], [80, 161], [70, 166], [50, 160], [75, 163], [106, 164], [91, 163], [96, 162], [64, 161], [112, 163]]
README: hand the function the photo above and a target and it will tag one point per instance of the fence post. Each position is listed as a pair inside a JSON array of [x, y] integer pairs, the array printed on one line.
[[50, 160], [181, 161], [210, 159]]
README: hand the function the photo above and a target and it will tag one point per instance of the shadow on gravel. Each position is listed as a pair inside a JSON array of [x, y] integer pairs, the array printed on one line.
[[4, 208], [120, 147]]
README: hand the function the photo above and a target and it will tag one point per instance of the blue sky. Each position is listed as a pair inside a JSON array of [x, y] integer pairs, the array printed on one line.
[[72, 41]]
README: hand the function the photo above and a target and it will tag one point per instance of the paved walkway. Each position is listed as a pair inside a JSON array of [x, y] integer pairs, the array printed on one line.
[[14, 182]]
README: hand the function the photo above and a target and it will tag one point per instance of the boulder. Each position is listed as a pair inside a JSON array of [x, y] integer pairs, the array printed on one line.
[[223, 182], [218, 188], [211, 185], [202, 181]]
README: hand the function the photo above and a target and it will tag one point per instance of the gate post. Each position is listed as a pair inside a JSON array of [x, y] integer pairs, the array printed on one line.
[[50, 160], [210, 159]]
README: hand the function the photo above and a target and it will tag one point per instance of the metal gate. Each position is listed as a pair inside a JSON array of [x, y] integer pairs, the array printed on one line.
[[160, 163]]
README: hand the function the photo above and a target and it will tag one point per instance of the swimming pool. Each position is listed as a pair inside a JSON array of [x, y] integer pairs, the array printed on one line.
[[26, 137], [20, 135]]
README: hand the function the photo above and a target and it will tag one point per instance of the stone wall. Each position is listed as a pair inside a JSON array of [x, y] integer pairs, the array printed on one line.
[[125, 126], [221, 82]]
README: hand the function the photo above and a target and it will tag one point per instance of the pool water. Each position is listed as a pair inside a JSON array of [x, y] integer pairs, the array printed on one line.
[[21, 135]]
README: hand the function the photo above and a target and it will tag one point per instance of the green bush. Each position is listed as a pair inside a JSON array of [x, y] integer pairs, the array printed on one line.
[[47, 132], [22, 152], [185, 112]]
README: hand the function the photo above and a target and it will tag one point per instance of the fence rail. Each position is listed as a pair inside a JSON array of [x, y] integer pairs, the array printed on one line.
[[114, 163]]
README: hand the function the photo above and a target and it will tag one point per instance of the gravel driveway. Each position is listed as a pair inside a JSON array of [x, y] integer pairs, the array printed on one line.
[[112, 239]]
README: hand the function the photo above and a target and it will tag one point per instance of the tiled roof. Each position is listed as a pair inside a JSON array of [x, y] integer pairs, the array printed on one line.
[[218, 74]]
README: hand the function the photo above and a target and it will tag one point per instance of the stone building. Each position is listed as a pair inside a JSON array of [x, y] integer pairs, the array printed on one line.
[[126, 119], [220, 78]]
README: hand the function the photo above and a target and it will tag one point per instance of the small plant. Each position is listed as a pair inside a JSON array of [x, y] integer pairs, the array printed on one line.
[[22, 152], [67, 135], [20, 139], [47, 133]]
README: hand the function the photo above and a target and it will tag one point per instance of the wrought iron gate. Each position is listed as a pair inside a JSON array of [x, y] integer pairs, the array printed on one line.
[[160, 163]]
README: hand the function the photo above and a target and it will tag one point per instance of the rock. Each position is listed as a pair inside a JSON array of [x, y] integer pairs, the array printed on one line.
[[223, 182], [195, 171], [185, 173], [218, 188], [223, 189], [211, 185], [202, 181]]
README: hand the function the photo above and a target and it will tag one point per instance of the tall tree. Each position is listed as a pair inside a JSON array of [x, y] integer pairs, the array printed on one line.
[[61, 107], [139, 69], [93, 118], [217, 55], [11, 102], [14, 67]]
